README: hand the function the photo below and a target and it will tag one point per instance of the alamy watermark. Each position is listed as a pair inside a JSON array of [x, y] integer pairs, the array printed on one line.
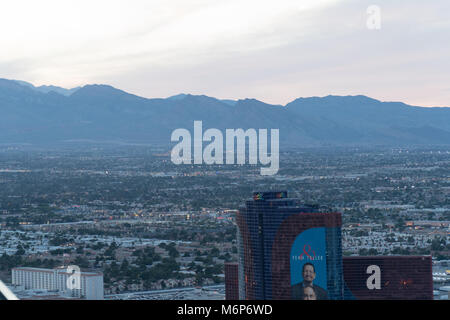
[[235, 153], [73, 282], [374, 17]]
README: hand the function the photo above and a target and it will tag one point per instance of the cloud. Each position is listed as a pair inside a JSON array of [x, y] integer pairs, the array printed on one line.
[[271, 50]]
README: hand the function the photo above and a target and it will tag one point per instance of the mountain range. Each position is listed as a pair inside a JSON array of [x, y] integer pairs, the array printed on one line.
[[50, 114]]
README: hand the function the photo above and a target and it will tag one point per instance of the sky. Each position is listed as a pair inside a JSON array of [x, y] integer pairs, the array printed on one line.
[[274, 51]]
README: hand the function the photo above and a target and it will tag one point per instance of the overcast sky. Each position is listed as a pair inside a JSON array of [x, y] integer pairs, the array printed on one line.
[[274, 51]]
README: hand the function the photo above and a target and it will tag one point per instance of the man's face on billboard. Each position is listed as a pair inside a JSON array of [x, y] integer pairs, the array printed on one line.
[[308, 273], [309, 294]]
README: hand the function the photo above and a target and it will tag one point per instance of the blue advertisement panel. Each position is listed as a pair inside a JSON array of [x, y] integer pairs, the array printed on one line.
[[309, 265]]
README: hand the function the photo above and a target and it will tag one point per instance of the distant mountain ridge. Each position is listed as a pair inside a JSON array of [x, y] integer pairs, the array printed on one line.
[[47, 89], [49, 114]]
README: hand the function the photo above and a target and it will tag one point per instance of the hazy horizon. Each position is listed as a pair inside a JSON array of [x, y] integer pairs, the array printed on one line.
[[222, 98]]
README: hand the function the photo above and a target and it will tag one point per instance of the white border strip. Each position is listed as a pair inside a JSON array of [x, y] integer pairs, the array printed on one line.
[[6, 292]]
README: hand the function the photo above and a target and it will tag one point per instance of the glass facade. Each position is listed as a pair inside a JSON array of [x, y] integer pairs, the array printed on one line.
[[268, 226]]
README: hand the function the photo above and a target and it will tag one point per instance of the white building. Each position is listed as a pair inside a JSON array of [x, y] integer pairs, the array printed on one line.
[[89, 286]]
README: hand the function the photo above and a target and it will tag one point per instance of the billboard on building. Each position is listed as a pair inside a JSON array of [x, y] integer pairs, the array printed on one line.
[[285, 245], [309, 265]]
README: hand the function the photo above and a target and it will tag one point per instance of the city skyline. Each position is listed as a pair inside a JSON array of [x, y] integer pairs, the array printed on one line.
[[228, 150]]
